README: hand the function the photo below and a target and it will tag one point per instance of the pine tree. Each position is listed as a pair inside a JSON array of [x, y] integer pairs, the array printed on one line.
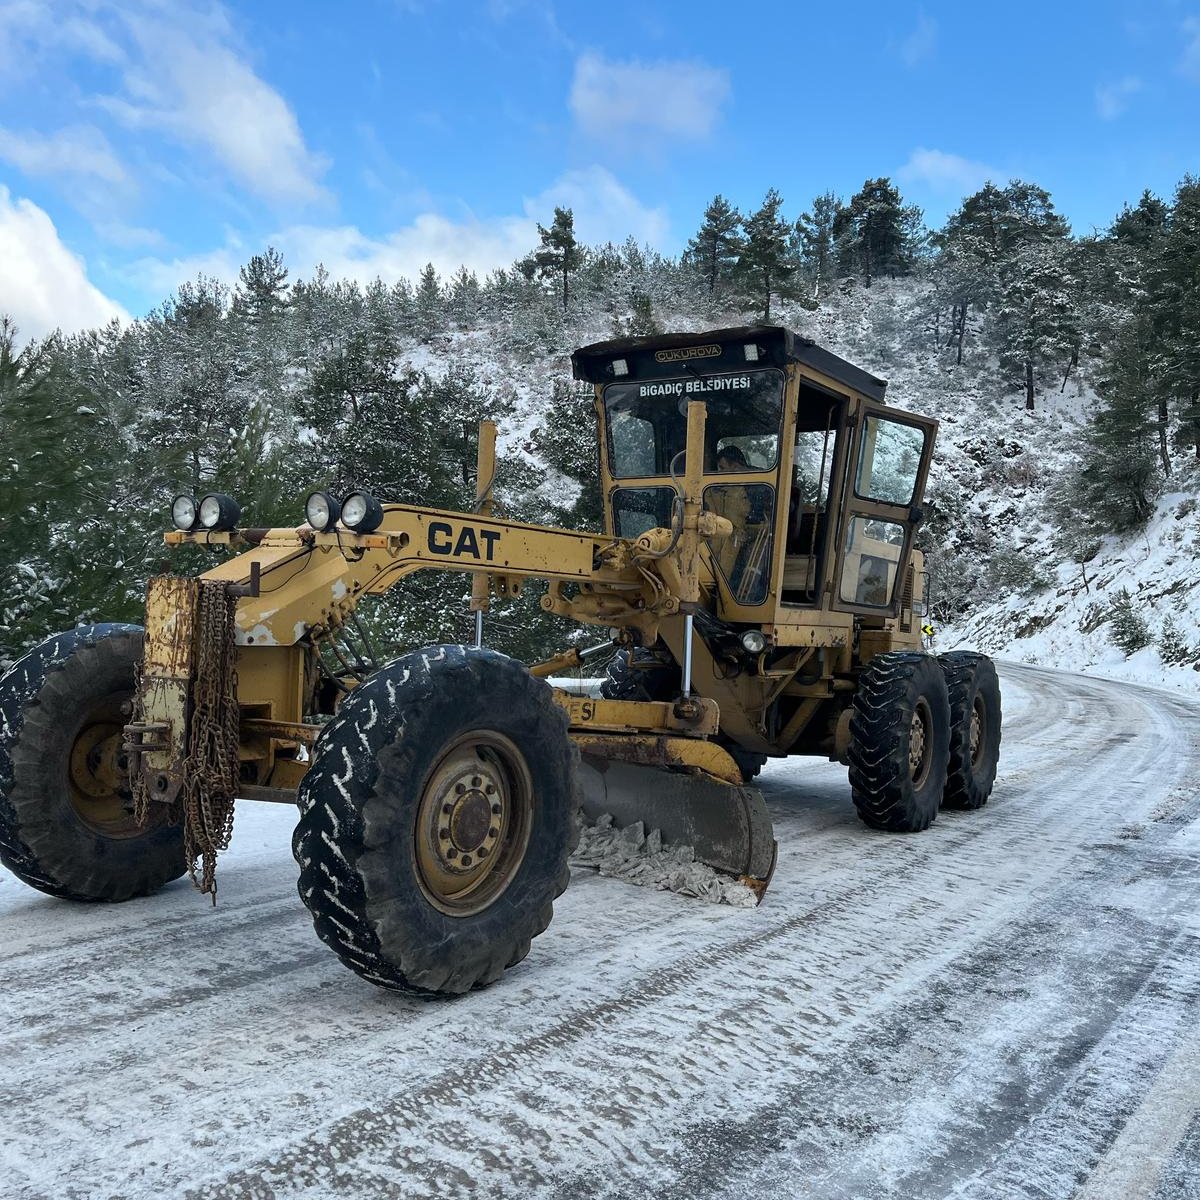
[[559, 255], [717, 244], [767, 262], [1177, 285], [1036, 313], [875, 233], [427, 304], [814, 232], [1130, 633], [263, 286]]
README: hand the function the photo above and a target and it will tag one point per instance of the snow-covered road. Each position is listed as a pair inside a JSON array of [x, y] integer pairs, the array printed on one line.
[[1006, 1005]]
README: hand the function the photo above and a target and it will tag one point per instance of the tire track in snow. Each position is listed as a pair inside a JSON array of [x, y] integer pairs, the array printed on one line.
[[621, 1033], [362, 1140]]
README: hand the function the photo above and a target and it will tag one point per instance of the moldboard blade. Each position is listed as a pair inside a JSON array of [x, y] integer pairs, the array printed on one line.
[[727, 825]]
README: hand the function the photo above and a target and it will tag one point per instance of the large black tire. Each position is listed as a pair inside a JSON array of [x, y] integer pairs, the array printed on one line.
[[656, 680], [66, 823], [446, 730], [900, 742], [974, 728], [642, 676]]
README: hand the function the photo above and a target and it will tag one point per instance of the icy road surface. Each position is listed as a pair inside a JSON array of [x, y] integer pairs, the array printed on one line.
[[1006, 1005]]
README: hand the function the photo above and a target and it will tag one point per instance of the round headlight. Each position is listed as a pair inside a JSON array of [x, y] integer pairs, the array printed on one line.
[[184, 512], [754, 641], [361, 512], [219, 512], [321, 511]]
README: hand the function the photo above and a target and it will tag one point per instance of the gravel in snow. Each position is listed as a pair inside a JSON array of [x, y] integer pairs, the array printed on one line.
[[635, 856]]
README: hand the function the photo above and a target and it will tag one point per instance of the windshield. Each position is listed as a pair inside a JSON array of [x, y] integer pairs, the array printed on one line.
[[647, 421]]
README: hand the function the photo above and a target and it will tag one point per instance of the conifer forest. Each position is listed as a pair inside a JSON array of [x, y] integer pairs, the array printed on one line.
[[1064, 364]]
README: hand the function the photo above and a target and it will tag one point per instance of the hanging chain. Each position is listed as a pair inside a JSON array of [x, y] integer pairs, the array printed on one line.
[[210, 771]]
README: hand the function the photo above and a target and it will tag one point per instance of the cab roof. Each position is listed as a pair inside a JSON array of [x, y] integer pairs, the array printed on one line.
[[723, 350]]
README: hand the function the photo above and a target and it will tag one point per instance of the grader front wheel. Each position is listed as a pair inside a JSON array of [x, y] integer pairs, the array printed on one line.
[[436, 821], [67, 825]]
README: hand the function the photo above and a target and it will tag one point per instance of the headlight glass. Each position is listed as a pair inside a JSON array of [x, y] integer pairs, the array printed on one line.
[[754, 641], [219, 512], [354, 509], [361, 512], [183, 512], [321, 511]]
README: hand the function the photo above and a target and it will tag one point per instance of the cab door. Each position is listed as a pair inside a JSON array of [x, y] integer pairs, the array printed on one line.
[[885, 482]]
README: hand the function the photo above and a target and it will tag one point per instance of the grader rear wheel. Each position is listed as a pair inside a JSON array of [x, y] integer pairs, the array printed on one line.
[[899, 742], [67, 825], [436, 821], [974, 728]]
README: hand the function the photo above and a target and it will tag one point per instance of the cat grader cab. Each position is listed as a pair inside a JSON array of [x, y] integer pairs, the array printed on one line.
[[756, 578]]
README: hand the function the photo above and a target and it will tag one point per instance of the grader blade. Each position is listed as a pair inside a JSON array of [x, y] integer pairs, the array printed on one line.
[[727, 825]]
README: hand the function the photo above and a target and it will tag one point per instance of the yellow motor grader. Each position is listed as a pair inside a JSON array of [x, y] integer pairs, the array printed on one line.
[[756, 578]]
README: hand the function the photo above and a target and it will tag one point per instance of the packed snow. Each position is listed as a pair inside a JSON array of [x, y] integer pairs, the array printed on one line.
[[1003, 1006]]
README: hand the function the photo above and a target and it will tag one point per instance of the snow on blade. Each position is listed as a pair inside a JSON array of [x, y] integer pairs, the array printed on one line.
[[639, 857]]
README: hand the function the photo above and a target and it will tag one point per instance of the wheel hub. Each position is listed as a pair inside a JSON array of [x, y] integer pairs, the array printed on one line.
[[473, 822], [976, 731], [97, 771], [919, 747]]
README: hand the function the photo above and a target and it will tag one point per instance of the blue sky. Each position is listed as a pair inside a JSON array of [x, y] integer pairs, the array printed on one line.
[[143, 141]]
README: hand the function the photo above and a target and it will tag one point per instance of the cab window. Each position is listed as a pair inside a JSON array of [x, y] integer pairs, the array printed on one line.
[[647, 420], [889, 461]]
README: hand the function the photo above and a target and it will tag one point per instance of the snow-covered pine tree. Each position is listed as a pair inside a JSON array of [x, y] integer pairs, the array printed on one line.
[[714, 250], [876, 234], [814, 234], [559, 254], [767, 262]]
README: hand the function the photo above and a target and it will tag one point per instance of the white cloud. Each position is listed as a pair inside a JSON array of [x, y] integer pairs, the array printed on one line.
[[43, 286], [75, 150], [182, 73], [189, 83], [1190, 63], [946, 173], [672, 99], [921, 43], [604, 211], [1112, 99]]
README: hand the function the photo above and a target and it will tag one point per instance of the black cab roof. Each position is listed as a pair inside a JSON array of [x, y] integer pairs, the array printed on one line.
[[717, 350]]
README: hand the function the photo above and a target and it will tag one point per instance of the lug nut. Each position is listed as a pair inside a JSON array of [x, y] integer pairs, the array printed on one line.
[[466, 860], [482, 851], [444, 834], [475, 781], [495, 810], [447, 808], [494, 832], [490, 789], [452, 853], [459, 788]]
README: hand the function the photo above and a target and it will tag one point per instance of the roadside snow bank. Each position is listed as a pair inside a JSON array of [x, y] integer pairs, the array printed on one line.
[[1077, 625]]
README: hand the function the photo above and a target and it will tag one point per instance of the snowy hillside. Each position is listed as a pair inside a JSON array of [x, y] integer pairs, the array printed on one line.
[[1001, 578]]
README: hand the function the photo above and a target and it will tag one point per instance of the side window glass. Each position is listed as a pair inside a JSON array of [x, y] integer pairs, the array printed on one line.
[[638, 510], [889, 461], [632, 443], [873, 551], [744, 556]]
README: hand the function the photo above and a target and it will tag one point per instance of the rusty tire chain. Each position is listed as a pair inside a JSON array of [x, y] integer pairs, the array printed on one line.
[[210, 771]]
